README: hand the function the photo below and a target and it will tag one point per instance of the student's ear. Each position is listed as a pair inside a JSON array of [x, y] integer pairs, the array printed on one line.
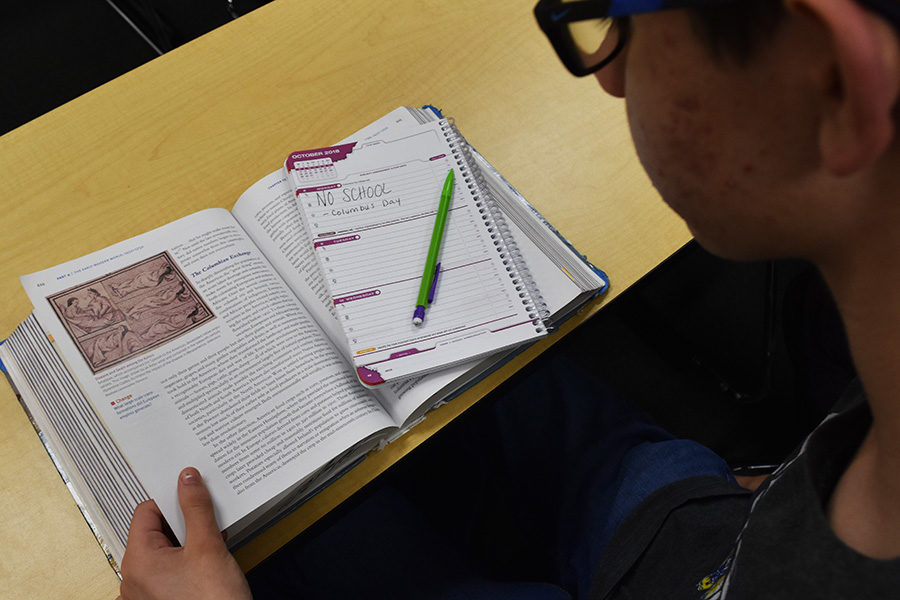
[[860, 83]]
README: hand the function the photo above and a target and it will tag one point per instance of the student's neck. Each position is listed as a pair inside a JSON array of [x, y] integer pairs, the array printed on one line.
[[864, 509]]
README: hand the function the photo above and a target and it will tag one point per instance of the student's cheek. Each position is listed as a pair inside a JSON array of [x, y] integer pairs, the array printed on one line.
[[674, 145]]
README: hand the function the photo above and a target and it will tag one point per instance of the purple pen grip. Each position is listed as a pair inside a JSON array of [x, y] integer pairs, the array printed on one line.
[[419, 313], [437, 269]]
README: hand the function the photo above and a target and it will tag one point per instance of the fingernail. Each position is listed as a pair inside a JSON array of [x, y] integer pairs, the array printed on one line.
[[190, 476]]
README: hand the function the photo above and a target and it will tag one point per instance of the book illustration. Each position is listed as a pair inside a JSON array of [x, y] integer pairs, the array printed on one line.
[[130, 311]]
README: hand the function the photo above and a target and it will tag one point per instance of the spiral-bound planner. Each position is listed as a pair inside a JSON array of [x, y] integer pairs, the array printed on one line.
[[369, 209]]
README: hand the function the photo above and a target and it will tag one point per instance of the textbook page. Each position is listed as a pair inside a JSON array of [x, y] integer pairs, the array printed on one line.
[[193, 351], [270, 216]]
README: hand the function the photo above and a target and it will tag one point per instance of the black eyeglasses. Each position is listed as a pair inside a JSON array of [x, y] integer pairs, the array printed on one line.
[[588, 34]]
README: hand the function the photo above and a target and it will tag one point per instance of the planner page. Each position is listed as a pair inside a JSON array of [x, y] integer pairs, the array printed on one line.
[[370, 210]]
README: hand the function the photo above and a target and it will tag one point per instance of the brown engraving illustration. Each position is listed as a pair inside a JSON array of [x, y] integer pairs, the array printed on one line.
[[128, 312]]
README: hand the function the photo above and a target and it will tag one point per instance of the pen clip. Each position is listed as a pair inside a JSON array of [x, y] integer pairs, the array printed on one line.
[[437, 269]]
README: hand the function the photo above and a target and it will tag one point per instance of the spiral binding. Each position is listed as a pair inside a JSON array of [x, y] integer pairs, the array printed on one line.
[[495, 221]]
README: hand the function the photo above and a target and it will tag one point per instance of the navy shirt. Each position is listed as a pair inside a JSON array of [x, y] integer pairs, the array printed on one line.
[[705, 538]]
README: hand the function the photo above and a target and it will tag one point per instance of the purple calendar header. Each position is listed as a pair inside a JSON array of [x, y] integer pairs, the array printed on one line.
[[335, 153]]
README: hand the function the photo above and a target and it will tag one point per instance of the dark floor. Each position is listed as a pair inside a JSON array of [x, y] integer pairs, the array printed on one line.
[[52, 51], [742, 357]]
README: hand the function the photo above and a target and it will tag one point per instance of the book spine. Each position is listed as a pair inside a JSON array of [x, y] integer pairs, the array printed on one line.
[[495, 221]]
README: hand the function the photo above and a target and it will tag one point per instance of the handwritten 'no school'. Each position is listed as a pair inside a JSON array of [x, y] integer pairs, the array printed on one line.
[[326, 199]]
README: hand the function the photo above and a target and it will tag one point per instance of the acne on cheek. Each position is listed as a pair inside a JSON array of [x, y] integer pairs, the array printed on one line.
[[668, 39], [687, 139], [688, 104]]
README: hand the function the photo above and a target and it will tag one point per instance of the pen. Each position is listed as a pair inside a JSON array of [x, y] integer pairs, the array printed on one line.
[[432, 267]]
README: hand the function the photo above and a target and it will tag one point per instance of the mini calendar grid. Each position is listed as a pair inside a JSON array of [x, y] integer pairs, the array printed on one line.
[[311, 171]]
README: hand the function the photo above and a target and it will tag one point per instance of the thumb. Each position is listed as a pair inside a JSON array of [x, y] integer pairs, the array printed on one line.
[[201, 529]]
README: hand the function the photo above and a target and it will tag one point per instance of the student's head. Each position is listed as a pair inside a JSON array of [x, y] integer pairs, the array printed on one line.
[[767, 125]]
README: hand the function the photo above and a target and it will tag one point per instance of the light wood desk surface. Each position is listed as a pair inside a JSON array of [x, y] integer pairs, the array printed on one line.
[[194, 128]]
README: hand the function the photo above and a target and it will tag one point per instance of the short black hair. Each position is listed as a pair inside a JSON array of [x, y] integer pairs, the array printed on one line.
[[735, 30]]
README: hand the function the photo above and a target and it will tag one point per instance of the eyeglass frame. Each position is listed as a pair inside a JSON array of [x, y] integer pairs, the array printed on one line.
[[554, 23]]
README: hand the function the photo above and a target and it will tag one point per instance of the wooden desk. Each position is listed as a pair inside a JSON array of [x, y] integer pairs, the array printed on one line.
[[194, 128]]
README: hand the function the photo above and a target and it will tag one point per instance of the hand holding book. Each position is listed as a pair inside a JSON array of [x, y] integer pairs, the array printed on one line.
[[201, 569]]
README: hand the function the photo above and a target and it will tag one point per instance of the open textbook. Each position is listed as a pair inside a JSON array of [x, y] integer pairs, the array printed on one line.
[[213, 342]]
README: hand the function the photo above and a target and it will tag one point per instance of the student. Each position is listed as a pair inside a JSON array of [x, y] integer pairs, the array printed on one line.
[[769, 126]]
